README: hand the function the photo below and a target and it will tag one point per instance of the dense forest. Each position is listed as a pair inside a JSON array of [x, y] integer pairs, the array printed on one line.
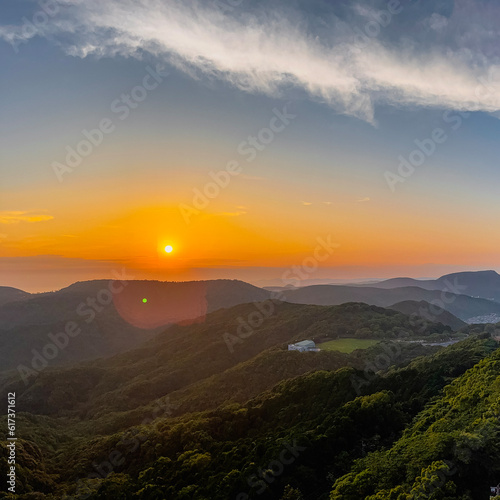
[[183, 417]]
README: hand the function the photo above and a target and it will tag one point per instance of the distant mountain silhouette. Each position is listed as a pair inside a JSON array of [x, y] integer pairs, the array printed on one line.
[[423, 309], [484, 284], [462, 306], [9, 294], [112, 318]]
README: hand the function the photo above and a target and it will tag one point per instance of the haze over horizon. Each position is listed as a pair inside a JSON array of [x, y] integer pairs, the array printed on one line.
[[241, 133], [50, 282]]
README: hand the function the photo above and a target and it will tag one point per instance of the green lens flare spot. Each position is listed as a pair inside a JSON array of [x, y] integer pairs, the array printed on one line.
[[144, 300]]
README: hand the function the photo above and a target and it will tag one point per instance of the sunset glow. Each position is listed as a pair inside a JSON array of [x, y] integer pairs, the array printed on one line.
[[242, 183]]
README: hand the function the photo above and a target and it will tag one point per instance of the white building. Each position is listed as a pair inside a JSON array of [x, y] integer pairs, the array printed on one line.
[[305, 345]]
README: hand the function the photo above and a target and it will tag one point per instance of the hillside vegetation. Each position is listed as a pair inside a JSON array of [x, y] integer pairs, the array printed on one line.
[[191, 415]]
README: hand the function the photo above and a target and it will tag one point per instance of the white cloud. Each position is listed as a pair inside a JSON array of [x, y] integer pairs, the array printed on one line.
[[438, 22], [266, 53]]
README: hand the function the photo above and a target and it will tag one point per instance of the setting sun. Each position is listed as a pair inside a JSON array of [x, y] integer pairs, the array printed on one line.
[[168, 248]]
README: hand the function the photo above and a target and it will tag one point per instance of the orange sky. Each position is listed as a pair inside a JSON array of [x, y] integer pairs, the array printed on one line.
[[108, 227]]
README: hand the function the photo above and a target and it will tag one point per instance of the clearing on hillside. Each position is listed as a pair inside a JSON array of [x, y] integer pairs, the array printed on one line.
[[347, 345]]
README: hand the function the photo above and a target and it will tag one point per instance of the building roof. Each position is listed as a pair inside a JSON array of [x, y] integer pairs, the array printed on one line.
[[305, 343]]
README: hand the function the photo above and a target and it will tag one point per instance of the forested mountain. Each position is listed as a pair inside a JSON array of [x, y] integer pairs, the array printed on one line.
[[108, 317], [9, 294], [186, 354], [307, 433], [484, 284], [450, 450], [424, 309], [462, 306], [214, 410]]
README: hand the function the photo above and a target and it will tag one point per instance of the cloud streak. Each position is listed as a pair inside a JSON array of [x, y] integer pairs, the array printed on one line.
[[264, 52], [14, 217]]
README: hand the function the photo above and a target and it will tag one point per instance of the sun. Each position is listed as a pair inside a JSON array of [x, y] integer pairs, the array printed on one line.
[[168, 248]]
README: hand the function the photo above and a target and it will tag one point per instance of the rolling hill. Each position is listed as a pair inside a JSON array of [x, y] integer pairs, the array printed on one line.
[[332, 433], [115, 316], [111, 316], [462, 306], [9, 294], [196, 410], [187, 354], [423, 309], [483, 284]]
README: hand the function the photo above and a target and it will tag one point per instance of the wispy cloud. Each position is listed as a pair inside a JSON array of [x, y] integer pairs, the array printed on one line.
[[14, 217], [363, 200], [263, 52]]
